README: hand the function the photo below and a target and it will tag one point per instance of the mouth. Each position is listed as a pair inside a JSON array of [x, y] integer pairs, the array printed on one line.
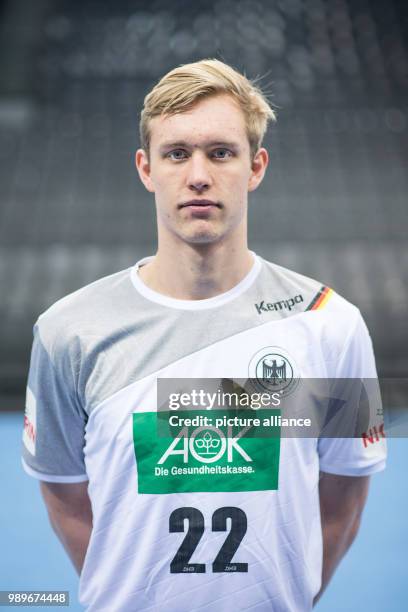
[[200, 204]]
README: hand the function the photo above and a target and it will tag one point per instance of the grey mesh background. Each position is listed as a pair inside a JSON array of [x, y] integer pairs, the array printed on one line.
[[73, 75]]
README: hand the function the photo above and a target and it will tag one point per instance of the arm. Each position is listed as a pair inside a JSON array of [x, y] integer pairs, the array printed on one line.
[[70, 513], [342, 499]]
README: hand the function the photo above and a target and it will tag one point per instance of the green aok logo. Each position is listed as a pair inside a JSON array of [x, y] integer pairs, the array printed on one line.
[[206, 444]]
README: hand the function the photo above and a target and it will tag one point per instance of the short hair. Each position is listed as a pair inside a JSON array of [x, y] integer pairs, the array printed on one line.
[[185, 85]]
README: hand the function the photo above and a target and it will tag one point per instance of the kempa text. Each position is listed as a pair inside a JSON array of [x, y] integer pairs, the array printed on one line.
[[281, 305]]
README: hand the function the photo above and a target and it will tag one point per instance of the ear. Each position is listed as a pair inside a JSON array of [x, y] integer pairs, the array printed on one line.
[[258, 168], [143, 167]]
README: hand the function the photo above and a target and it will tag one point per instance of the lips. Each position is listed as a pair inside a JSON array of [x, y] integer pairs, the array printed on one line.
[[199, 203]]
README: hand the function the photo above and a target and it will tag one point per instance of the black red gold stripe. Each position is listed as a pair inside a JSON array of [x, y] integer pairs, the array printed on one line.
[[321, 298]]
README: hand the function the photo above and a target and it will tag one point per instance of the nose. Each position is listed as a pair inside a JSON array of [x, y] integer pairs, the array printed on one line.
[[199, 175]]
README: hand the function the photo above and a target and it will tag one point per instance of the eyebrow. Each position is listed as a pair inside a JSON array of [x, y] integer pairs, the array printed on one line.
[[184, 144]]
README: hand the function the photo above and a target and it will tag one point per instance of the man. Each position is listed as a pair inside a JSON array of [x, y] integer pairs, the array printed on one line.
[[170, 523]]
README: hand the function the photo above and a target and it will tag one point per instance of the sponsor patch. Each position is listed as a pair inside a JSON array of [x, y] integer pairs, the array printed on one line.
[[203, 458]]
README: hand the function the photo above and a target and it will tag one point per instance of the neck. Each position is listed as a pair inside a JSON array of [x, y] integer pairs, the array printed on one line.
[[196, 272]]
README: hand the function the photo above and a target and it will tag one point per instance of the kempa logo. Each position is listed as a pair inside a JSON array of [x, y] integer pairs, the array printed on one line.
[[281, 305], [206, 444]]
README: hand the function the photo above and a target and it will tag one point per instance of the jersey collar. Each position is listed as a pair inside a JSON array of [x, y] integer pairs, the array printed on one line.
[[217, 300]]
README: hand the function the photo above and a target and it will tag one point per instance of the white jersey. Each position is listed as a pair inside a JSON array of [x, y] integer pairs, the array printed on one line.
[[201, 520]]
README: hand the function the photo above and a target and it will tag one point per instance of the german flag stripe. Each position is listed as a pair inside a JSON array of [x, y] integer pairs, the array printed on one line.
[[321, 298]]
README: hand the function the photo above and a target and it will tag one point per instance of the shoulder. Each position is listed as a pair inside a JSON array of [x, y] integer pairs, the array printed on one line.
[[305, 294], [83, 312], [329, 327], [314, 309]]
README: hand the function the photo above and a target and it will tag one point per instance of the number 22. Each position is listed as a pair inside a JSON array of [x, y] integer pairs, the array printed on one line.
[[222, 562]]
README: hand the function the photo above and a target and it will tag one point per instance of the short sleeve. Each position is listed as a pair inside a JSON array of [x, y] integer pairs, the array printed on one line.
[[54, 422], [364, 451]]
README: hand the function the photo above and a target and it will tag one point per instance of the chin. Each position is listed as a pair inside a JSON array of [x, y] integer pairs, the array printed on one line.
[[202, 238]]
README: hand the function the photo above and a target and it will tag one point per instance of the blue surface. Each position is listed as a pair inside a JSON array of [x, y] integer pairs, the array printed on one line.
[[31, 557], [373, 575]]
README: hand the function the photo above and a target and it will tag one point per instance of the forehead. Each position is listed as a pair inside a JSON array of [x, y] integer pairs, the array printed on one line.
[[216, 118]]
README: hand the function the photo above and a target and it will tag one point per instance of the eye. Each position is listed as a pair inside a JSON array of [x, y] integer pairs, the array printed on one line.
[[177, 155], [222, 153]]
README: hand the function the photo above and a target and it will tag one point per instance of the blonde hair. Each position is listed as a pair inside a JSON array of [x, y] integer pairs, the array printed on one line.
[[183, 86]]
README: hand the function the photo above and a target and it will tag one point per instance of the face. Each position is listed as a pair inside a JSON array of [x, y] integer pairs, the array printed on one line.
[[200, 171]]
